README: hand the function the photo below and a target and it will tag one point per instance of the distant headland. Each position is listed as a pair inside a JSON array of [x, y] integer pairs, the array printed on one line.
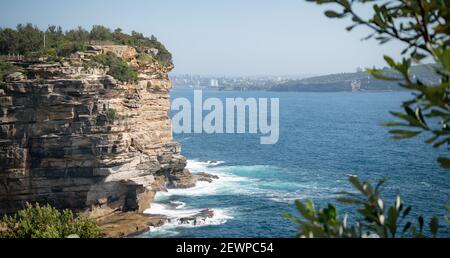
[[340, 82]]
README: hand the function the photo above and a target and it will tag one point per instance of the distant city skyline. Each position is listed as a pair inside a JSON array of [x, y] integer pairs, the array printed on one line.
[[222, 38]]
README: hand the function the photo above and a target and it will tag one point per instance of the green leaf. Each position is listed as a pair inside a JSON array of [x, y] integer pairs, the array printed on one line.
[[419, 117], [333, 14], [322, 1], [390, 61], [434, 226], [392, 124], [438, 113], [378, 21], [355, 182], [406, 211], [378, 74], [444, 162], [406, 227], [420, 219], [345, 193], [392, 220], [441, 142], [349, 200], [410, 111], [368, 36], [290, 217], [432, 139], [304, 211], [310, 207], [378, 186], [351, 27], [345, 3], [404, 134], [419, 56]]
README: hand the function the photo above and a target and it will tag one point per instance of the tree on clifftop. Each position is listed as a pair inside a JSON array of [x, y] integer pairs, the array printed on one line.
[[30, 41]]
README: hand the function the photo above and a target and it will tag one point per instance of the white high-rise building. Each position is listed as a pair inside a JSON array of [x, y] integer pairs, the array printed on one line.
[[214, 83]]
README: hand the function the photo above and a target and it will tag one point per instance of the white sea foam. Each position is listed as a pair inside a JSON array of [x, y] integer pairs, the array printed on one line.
[[202, 166], [250, 169], [308, 191], [425, 184], [220, 216], [246, 183], [176, 210], [227, 182], [164, 209]]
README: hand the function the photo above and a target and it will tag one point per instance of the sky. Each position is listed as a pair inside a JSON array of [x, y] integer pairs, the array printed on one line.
[[222, 37]]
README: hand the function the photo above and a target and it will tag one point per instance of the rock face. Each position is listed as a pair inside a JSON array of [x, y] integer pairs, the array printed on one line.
[[77, 138]]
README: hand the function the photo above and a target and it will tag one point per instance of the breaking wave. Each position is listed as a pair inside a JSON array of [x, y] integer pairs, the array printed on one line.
[[257, 181]]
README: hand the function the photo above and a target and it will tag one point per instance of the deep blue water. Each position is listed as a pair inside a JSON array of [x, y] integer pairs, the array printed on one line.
[[323, 138]]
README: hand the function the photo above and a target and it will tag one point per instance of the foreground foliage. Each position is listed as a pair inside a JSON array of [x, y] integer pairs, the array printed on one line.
[[375, 218], [47, 222], [424, 27]]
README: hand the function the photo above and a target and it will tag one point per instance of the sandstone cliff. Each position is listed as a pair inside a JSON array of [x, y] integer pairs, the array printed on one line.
[[76, 137]]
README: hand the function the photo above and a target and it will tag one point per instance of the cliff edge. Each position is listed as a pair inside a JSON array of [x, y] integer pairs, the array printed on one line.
[[74, 136]]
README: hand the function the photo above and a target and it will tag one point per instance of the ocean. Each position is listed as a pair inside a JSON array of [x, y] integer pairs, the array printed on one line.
[[324, 138]]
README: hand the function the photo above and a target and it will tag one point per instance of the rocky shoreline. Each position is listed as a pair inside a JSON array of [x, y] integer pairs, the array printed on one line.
[[130, 224]]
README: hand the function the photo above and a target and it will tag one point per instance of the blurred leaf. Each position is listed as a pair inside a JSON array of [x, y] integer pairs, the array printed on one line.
[[392, 124], [406, 212], [392, 221], [434, 226], [355, 182], [420, 219], [349, 200], [403, 134], [379, 75], [290, 217], [332, 14], [406, 227], [444, 162]]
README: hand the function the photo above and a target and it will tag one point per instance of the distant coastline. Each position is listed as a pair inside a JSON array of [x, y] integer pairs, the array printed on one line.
[[340, 82]]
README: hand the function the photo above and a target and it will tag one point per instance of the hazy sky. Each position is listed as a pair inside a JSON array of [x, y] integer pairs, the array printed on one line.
[[221, 37]]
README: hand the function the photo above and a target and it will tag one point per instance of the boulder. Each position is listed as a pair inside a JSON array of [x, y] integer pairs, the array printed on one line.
[[202, 176], [199, 218], [16, 76]]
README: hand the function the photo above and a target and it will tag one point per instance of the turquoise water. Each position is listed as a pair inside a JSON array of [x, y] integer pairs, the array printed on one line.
[[324, 137]]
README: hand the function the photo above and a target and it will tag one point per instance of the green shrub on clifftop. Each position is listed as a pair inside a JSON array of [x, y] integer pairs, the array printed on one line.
[[118, 68], [47, 222], [7, 68]]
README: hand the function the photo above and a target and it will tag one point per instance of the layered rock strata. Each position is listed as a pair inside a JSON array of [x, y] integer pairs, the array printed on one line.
[[75, 137]]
